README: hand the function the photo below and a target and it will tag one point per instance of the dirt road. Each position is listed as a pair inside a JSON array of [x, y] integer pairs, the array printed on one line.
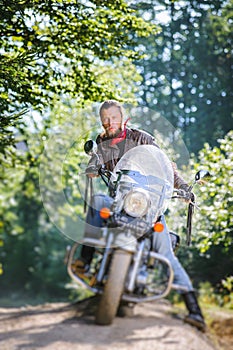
[[67, 327]]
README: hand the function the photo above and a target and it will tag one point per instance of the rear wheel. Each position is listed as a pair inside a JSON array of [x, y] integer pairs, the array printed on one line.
[[114, 288]]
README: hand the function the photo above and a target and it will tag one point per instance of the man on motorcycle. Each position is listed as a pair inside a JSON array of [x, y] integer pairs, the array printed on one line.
[[115, 141]]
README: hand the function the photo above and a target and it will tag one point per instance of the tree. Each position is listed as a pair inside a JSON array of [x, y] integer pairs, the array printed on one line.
[[32, 248], [52, 53], [51, 48], [58, 50], [187, 70], [214, 222], [209, 258]]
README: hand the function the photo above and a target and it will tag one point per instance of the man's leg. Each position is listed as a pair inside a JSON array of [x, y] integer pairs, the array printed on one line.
[[92, 230], [162, 244]]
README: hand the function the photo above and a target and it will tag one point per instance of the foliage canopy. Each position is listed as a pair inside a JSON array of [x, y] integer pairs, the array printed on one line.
[[214, 222], [188, 68], [51, 47]]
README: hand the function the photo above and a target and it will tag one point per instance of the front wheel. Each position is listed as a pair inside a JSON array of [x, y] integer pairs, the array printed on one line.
[[114, 288]]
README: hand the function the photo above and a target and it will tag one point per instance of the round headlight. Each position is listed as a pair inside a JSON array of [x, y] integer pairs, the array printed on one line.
[[136, 203]]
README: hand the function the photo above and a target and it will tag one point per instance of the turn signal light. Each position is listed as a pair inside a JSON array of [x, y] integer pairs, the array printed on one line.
[[158, 227], [105, 213]]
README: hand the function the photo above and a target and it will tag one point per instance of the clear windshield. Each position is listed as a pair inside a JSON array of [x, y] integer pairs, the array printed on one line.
[[147, 167]]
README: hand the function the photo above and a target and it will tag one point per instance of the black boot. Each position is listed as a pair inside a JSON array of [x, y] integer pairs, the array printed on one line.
[[195, 317], [87, 253]]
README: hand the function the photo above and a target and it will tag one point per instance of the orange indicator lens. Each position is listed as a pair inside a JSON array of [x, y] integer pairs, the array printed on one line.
[[158, 227], [105, 213]]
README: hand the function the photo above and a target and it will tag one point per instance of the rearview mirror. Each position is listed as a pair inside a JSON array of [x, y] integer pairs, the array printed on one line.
[[202, 176], [90, 147]]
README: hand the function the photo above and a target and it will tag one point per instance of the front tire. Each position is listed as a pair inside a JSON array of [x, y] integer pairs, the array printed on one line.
[[114, 288]]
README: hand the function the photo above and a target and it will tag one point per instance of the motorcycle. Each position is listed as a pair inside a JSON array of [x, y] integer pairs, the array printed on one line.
[[125, 269]]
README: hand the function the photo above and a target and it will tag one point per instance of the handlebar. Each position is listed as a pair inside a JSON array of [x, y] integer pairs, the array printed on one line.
[[190, 198], [186, 195], [99, 170]]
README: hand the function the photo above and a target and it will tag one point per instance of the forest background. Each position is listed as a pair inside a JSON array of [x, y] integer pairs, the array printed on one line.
[[171, 63]]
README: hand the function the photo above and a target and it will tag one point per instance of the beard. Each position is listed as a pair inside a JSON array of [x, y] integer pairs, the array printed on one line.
[[111, 133]]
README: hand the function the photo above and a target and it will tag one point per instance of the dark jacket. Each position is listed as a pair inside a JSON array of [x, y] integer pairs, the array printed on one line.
[[110, 154]]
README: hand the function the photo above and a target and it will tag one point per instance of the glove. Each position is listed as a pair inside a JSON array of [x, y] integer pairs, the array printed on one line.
[[191, 197], [92, 171], [187, 194]]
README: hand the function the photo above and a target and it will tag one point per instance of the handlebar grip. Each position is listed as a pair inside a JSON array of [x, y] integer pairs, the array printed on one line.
[[92, 169]]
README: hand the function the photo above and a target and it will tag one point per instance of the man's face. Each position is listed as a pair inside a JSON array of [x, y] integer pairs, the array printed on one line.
[[111, 120]]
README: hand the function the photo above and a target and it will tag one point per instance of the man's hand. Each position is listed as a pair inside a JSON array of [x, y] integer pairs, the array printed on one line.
[[92, 171], [188, 196]]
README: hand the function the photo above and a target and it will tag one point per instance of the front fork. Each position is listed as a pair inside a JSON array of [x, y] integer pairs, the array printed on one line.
[[137, 260], [122, 241], [104, 262]]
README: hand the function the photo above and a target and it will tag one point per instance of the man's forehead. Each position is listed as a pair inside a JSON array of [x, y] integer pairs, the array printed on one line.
[[111, 111]]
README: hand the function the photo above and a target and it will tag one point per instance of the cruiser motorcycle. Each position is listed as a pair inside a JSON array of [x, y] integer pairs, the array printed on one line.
[[125, 269]]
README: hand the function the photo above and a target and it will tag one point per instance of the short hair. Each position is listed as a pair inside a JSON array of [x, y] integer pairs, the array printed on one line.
[[112, 103]]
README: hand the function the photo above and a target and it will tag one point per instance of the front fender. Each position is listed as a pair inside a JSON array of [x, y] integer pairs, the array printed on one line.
[[126, 241]]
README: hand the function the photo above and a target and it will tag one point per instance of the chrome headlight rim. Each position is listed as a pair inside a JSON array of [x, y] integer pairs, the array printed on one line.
[[144, 195]]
